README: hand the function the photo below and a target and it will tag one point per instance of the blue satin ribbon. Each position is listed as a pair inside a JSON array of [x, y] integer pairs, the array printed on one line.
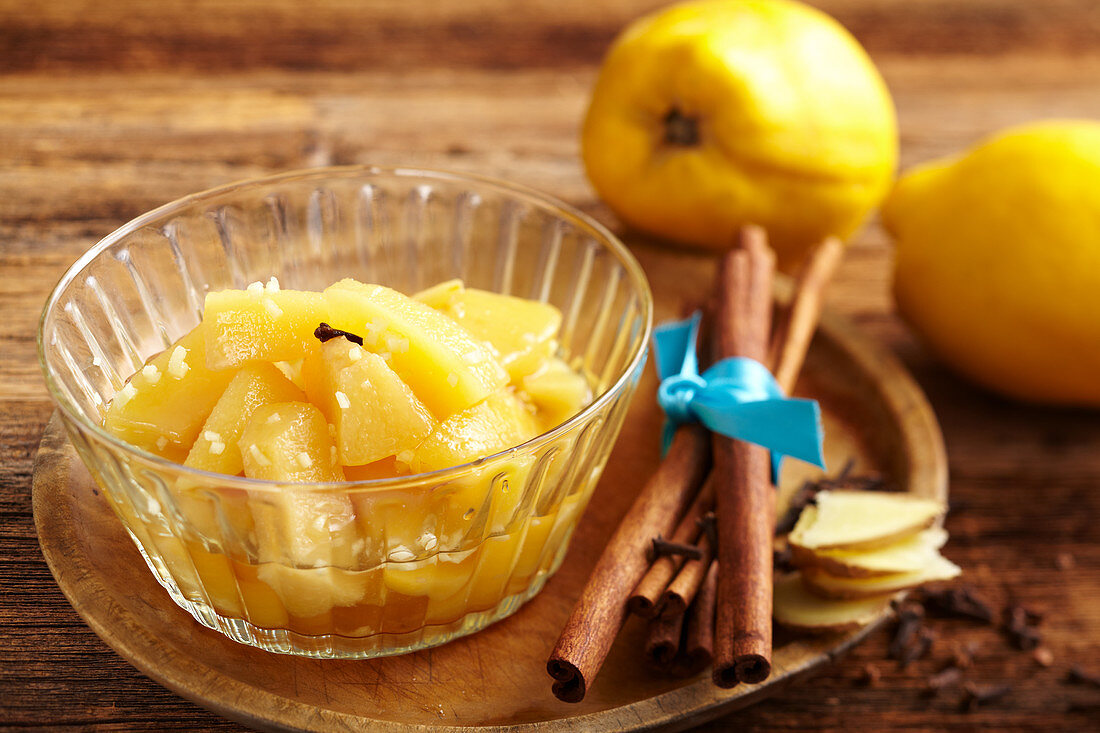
[[737, 397]]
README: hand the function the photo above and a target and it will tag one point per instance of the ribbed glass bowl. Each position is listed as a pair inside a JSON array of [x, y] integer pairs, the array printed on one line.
[[427, 558]]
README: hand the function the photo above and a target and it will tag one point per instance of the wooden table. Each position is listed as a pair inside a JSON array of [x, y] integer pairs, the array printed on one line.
[[109, 109]]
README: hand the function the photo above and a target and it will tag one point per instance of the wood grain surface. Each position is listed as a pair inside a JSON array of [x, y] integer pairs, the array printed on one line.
[[109, 109]]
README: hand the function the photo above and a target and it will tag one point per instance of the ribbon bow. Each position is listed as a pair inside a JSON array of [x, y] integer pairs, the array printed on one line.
[[737, 397]]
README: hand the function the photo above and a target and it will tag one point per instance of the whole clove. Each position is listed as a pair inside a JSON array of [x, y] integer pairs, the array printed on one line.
[[1078, 676], [978, 695], [871, 676], [918, 649], [1020, 625], [945, 678], [781, 561], [959, 602], [325, 332], [910, 618], [660, 547]]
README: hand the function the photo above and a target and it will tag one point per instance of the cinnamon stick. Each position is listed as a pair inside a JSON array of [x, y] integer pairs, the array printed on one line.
[[796, 324], [601, 609], [646, 598], [663, 641], [697, 649], [745, 500], [681, 591]]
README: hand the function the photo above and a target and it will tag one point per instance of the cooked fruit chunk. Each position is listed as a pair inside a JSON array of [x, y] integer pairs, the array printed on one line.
[[375, 413], [385, 468], [862, 519], [557, 391], [501, 421], [306, 539], [163, 406], [907, 555], [289, 442], [447, 369], [216, 447], [521, 331], [261, 323], [796, 607], [834, 586]]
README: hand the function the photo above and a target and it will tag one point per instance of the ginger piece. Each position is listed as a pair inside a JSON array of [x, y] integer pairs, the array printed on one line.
[[862, 520], [832, 586], [794, 606], [907, 555]]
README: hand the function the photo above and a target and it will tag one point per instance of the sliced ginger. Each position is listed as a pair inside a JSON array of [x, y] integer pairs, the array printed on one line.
[[796, 607], [833, 586], [907, 555], [862, 520]]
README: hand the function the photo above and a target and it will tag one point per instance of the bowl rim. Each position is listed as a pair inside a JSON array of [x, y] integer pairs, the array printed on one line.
[[438, 477]]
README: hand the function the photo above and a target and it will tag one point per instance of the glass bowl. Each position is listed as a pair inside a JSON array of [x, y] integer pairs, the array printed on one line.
[[354, 569]]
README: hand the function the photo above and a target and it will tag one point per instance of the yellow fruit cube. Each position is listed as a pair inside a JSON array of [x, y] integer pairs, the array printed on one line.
[[260, 324], [216, 447], [447, 369], [557, 391], [375, 413], [522, 332], [501, 421], [163, 406]]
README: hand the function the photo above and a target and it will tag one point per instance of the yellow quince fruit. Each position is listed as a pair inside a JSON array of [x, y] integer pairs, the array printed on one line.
[[998, 260], [713, 114]]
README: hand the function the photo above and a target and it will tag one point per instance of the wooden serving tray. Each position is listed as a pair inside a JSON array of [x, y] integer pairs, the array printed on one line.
[[496, 678]]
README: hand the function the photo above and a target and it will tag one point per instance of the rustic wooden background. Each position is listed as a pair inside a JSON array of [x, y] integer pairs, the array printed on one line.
[[109, 109]]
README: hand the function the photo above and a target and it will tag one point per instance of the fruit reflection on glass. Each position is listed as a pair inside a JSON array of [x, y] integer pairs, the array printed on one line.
[[357, 382], [713, 114]]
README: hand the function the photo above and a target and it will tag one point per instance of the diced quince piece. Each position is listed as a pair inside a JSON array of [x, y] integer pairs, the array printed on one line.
[[438, 576], [259, 324], [833, 586], [447, 369], [907, 555], [375, 413], [501, 421], [796, 607], [289, 442], [314, 591], [862, 519], [557, 391], [521, 331], [163, 406], [216, 447]]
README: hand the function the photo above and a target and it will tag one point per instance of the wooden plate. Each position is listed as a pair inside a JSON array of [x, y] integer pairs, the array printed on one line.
[[873, 411]]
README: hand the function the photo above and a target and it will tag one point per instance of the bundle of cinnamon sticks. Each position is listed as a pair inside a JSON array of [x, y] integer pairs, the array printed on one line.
[[694, 552]]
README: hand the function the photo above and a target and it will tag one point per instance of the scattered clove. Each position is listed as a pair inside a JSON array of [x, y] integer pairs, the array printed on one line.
[[871, 676], [660, 547], [1020, 625], [325, 332], [962, 655], [1065, 561], [918, 649], [945, 678], [1079, 676], [959, 602], [805, 494], [910, 618], [977, 695]]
